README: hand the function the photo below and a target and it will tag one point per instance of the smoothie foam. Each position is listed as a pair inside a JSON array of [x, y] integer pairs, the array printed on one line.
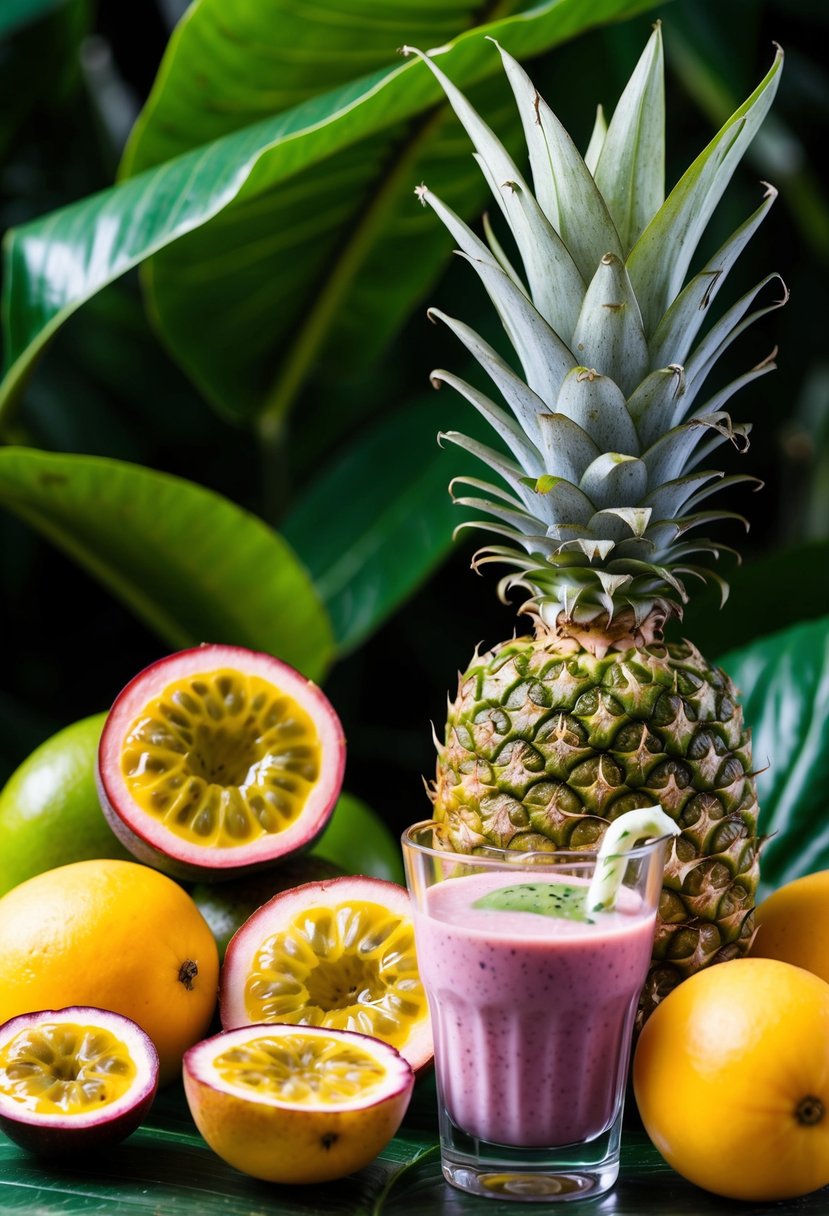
[[531, 1014]]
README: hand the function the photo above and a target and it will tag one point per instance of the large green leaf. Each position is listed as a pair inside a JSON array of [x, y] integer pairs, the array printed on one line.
[[14, 14], [375, 524], [784, 680], [766, 594], [193, 565], [40, 71], [289, 227]]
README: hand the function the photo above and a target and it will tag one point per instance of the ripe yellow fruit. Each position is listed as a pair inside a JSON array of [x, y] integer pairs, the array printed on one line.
[[731, 1076], [115, 935], [790, 924], [296, 1104]]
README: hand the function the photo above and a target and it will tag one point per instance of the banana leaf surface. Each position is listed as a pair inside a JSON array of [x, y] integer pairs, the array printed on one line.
[[165, 1167]]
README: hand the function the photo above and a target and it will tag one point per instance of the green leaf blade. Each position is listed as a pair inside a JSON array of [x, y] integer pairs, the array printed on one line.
[[58, 262], [659, 261], [630, 172], [784, 682], [191, 564], [368, 552]]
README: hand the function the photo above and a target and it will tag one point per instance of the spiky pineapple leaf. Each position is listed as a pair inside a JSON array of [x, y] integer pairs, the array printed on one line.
[[527, 406], [784, 681], [660, 258], [275, 218], [630, 169], [555, 284], [735, 321], [514, 438], [679, 327], [562, 182], [609, 333]]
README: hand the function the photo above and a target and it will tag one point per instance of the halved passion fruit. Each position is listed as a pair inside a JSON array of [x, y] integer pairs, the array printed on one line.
[[338, 954], [296, 1104], [227, 905], [218, 760], [74, 1080]]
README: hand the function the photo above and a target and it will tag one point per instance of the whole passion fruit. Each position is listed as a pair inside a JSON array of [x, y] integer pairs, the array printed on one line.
[[219, 760], [74, 1080], [338, 954]]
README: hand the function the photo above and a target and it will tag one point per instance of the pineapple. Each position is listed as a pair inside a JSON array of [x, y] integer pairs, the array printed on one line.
[[602, 470]]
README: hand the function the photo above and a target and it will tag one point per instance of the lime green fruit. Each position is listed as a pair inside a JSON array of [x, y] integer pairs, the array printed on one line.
[[49, 809], [358, 841], [227, 905]]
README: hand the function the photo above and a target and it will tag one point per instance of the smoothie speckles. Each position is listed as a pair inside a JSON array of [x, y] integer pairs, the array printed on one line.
[[543, 1084]]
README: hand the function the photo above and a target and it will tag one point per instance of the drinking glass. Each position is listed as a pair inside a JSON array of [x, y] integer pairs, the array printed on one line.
[[532, 1000]]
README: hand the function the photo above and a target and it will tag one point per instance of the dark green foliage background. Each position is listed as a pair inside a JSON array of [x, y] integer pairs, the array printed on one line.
[[356, 479], [104, 567]]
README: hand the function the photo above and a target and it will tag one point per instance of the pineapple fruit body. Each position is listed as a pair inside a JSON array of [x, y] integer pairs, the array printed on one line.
[[545, 745], [604, 418]]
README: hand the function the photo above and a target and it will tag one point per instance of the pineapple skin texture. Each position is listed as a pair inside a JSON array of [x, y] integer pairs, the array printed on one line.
[[545, 746]]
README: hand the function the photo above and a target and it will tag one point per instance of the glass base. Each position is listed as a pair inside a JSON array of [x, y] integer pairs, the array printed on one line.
[[530, 1175]]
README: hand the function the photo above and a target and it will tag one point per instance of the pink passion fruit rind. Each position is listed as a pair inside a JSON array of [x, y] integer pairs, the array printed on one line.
[[346, 1144], [278, 913], [147, 838], [61, 1135]]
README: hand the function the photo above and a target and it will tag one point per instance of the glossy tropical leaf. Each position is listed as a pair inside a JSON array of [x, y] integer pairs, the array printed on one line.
[[760, 599], [375, 524], [40, 71], [191, 564], [784, 681], [166, 1167], [335, 288], [357, 840], [14, 14], [288, 225]]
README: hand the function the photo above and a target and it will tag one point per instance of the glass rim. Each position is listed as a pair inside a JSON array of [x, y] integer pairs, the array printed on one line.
[[498, 857]]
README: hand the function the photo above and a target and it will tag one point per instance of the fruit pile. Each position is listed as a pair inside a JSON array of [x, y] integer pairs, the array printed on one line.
[[215, 763]]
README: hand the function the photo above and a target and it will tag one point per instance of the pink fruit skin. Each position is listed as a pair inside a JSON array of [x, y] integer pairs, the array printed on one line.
[[69, 1139], [277, 913], [174, 856]]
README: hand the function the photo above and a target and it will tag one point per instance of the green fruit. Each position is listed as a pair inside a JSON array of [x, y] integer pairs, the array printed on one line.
[[49, 809], [359, 842], [227, 905], [356, 841]]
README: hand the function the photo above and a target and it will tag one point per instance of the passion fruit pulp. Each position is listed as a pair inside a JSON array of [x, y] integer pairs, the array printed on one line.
[[338, 954], [219, 760], [74, 1080], [296, 1104]]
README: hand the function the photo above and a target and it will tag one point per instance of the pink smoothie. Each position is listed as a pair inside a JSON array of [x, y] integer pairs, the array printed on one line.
[[531, 1014]]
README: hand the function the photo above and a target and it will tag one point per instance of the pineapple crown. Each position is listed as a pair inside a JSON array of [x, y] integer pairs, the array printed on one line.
[[604, 435]]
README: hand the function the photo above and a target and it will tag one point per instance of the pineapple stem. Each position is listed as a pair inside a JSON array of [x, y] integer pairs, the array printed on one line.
[[306, 346]]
